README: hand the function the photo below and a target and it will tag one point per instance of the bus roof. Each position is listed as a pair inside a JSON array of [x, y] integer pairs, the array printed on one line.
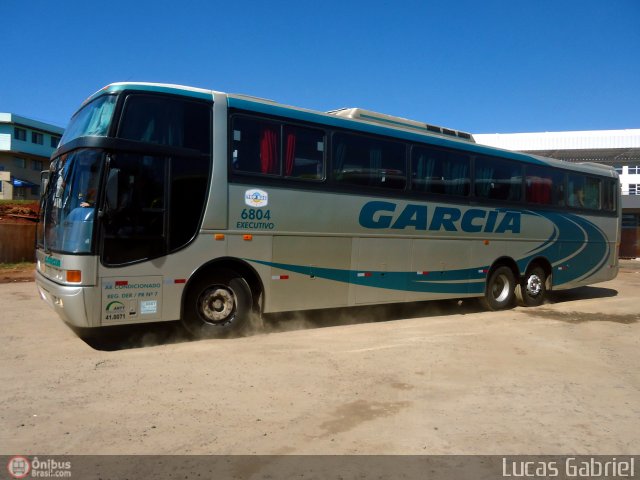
[[200, 93], [362, 120]]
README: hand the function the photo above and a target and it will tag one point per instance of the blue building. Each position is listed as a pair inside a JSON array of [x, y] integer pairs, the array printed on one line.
[[25, 148]]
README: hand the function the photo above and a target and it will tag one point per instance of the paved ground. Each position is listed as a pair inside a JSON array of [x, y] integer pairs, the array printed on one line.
[[434, 378]]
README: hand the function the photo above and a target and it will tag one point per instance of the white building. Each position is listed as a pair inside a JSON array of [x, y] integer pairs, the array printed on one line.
[[618, 148]]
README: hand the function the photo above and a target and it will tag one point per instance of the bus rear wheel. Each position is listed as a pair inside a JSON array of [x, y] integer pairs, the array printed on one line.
[[217, 305], [532, 288], [499, 293]]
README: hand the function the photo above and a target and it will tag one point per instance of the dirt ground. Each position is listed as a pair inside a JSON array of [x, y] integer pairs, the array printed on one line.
[[20, 272], [428, 378]]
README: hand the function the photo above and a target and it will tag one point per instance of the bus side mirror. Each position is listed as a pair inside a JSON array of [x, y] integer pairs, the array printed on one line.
[[112, 189], [44, 181]]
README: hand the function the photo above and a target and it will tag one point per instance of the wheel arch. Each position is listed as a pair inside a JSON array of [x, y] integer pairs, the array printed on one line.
[[505, 262], [241, 267]]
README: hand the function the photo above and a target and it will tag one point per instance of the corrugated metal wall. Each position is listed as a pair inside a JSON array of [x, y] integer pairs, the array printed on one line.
[[17, 243]]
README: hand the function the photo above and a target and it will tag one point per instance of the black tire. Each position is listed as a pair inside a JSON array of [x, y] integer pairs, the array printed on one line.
[[533, 288], [499, 292], [218, 305]]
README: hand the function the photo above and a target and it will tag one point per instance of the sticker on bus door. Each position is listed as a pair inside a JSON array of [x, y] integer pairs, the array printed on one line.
[[131, 299]]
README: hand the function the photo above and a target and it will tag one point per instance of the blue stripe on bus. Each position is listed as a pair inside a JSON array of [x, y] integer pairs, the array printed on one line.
[[576, 249], [443, 282], [341, 122]]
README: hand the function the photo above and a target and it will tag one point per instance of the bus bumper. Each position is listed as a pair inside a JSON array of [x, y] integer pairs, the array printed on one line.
[[67, 301]]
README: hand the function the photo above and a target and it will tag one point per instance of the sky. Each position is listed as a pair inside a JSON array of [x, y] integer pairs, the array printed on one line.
[[483, 66]]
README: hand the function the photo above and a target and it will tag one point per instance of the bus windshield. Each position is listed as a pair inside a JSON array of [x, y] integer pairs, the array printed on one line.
[[69, 204], [92, 119]]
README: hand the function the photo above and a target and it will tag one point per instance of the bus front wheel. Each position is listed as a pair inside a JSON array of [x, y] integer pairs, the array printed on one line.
[[532, 288], [499, 293], [217, 305]]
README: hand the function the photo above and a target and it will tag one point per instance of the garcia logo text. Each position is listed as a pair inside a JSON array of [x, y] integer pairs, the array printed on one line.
[[379, 214]]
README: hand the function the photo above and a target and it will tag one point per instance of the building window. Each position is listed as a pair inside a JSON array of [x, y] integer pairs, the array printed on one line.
[[20, 134], [36, 165], [55, 141], [19, 162], [634, 189], [633, 170], [618, 169], [37, 138]]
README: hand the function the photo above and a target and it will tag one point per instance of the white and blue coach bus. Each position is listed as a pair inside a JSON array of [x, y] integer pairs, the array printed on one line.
[[167, 202]]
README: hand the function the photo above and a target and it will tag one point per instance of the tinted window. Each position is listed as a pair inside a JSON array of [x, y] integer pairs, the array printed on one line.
[[256, 146], [267, 147], [154, 205], [361, 160], [584, 192], [303, 152], [497, 179], [544, 186], [609, 194], [135, 221], [167, 121], [19, 133], [188, 189], [438, 171]]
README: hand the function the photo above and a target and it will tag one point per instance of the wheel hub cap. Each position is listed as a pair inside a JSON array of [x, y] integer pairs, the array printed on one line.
[[534, 285], [217, 304]]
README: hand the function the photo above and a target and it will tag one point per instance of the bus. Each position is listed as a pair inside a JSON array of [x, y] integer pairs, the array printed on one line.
[[166, 202]]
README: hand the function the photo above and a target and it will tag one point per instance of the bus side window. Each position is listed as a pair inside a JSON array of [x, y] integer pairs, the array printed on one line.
[[498, 179], [439, 171], [609, 194], [363, 160], [592, 193], [544, 186], [584, 192], [303, 150], [576, 191], [256, 146]]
